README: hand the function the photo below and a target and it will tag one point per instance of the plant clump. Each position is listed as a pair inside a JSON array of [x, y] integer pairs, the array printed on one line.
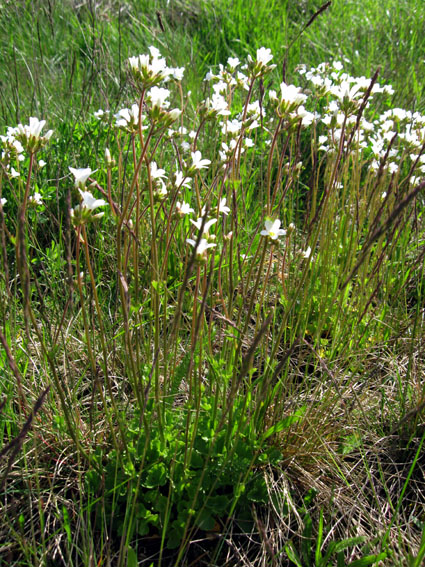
[[203, 337]]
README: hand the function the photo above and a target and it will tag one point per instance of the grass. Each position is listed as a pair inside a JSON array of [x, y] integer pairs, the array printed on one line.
[[238, 399]]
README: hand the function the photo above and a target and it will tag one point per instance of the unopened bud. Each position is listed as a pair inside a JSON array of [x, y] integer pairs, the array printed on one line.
[[108, 157], [174, 114]]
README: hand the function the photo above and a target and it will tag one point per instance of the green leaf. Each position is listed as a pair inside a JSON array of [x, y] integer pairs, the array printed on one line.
[[219, 503], [175, 535], [259, 492], [329, 552], [349, 542], [369, 560], [158, 501], [307, 539], [142, 527], [157, 476], [350, 444], [131, 557], [239, 490], [318, 554], [66, 523], [284, 423], [205, 520], [293, 555]]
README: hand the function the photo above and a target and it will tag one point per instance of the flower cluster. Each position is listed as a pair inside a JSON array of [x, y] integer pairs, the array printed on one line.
[[260, 66], [127, 119], [83, 213], [30, 136], [151, 69], [11, 148], [385, 139], [158, 103], [291, 97]]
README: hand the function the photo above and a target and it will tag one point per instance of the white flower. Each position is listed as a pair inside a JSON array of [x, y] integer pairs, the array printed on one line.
[[242, 80], [122, 118], [81, 175], [183, 209], [3, 201], [158, 97], [202, 246], [154, 51], [290, 97], [35, 126], [177, 73], [11, 146], [209, 76], [232, 127], [260, 66], [158, 68], [388, 89], [140, 62], [207, 225], [254, 109], [89, 202], [264, 55], [128, 119], [346, 90], [220, 88], [226, 152], [223, 208], [36, 199], [198, 162], [232, 63], [41, 163], [13, 173], [272, 229], [218, 105], [306, 253], [156, 173], [181, 180], [306, 117]]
